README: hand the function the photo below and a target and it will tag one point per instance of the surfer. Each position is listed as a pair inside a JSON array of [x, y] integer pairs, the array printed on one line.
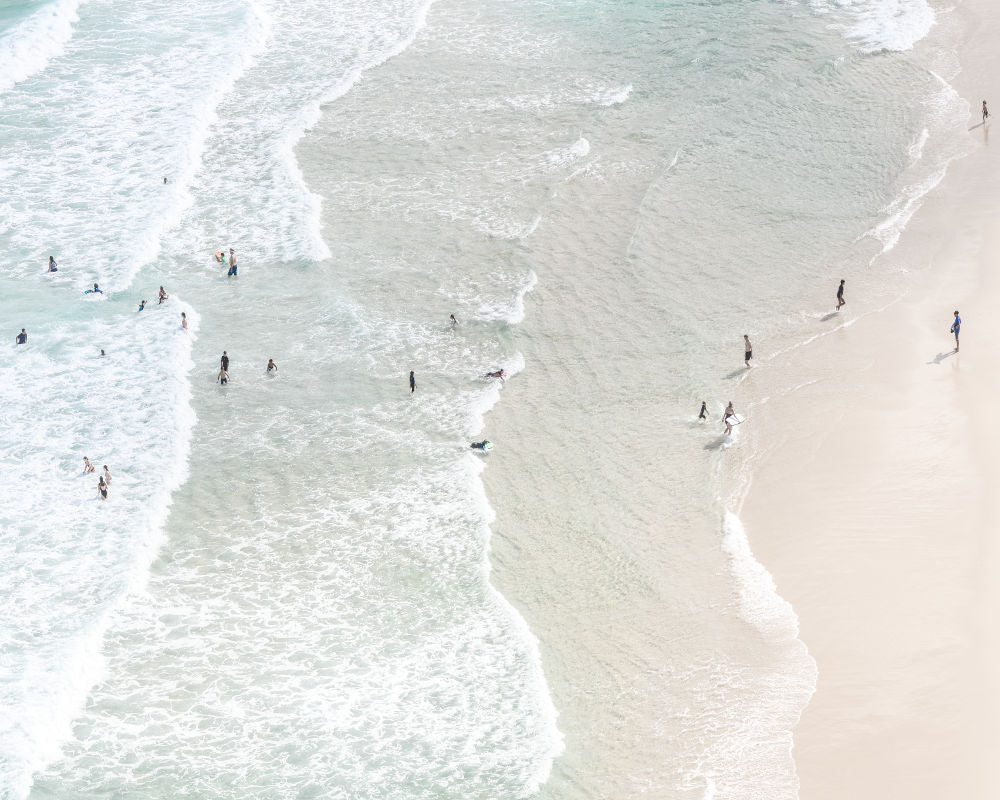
[[728, 416], [452, 322], [142, 305], [703, 414], [95, 290], [272, 368], [107, 475], [955, 327], [501, 374], [22, 338], [413, 383], [163, 295], [986, 112], [102, 489], [480, 445], [840, 295], [224, 361], [232, 263], [87, 466], [53, 267], [747, 350], [184, 321]]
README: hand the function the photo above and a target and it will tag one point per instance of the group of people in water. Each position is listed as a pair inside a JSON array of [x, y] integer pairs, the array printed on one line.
[[103, 483]]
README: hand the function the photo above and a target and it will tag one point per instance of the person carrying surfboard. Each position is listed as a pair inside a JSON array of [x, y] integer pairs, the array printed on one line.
[[728, 417]]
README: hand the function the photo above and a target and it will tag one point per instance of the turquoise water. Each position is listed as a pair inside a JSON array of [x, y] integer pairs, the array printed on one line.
[[288, 591]]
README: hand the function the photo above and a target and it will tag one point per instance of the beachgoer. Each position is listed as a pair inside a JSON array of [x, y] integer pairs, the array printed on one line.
[[87, 466], [164, 180], [102, 352], [95, 290], [163, 295], [480, 445], [499, 373], [102, 489], [52, 265], [224, 361], [223, 376], [184, 321], [747, 350], [729, 413], [107, 475], [703, 414], [142, 305], [840, 295], [22, 337], [955, 327], [452, 321], [986, 112], [413, 383], [271, 366], [232, 263]]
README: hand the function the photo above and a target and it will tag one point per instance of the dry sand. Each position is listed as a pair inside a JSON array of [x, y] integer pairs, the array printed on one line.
[[876, 505]]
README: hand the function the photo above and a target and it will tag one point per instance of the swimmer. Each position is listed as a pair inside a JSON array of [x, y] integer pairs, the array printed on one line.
[[703, 414], [501, 374], [142, 305], [220, 256], [453, 322], [730, 412], [22, 338], [232, 263], [184, 321], [95, 290], [163, 295], [480, 445], [224, 361], [53, 267], [107, 475], [413, 383], [102, 489], [272, 368], [87, 466], [223, 377]]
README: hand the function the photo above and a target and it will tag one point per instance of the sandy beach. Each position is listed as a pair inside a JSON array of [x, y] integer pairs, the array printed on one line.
[[873, 503]]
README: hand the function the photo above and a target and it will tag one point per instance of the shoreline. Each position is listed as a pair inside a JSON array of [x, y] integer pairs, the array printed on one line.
[[871, 502]]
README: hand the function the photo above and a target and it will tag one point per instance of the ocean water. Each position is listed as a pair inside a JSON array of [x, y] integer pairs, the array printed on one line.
[[290, 591]]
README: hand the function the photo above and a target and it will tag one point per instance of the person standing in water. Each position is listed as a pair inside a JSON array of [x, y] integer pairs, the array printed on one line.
[[224, 361], [52, 265], [955, 328], [163, 295], [453, 322], [703, 414], [87, 466], [413, 383], [184, 321], [747, 350], [223, 376], [272, 368], [107, 475], [728, 416], [986, 112], [142, 305], [232, 263], [102, 489], [840, 295], [22, 338]]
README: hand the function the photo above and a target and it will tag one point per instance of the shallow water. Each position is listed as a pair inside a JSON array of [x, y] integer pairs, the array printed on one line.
[[288, 592]]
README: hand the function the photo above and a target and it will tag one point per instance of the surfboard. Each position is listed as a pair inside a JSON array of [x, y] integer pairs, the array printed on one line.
[[734, 419]]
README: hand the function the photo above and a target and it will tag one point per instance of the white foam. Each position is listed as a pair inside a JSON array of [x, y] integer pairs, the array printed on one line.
[[876, 25], [28, 48], [612, 97]]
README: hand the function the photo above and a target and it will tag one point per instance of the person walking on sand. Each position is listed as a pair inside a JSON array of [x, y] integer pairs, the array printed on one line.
[[107, 475], [163, 295], [22, 337], [184, 321], [986, 112], [747, 350], [703, 414], [87, 466], [102, 489], [840, 295], [955, 327], [413, 383]]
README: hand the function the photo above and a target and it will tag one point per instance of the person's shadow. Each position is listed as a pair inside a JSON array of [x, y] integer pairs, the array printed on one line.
[[941, 357], [830, 316]]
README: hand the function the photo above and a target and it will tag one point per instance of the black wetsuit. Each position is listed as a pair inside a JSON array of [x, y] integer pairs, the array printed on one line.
[[225, 363], [22, 338]]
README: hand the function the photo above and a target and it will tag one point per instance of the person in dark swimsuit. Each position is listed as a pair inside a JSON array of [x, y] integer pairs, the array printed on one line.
[[22, 338], [703, 414], [840, 295], [224, 361], [102, 489], [52, 265], [413, 383]]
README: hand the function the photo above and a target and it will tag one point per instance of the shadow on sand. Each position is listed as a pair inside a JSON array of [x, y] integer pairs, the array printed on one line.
[[736, 373], [942, 356], [830, 316]]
